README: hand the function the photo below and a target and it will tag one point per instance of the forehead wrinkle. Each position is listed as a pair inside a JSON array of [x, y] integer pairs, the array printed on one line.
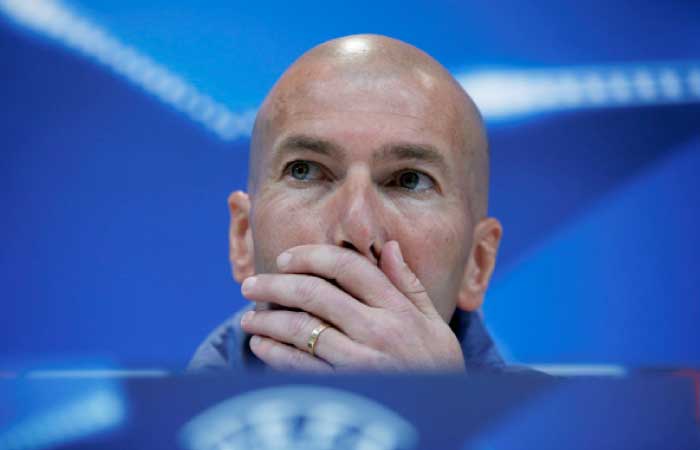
[[305, 142], [315, 144], [312, 114]]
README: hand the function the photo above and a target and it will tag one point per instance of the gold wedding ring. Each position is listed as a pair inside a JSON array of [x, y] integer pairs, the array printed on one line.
[[311, 343]]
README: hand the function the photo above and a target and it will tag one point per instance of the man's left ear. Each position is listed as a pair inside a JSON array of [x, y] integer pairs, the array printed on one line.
[[482, 261]]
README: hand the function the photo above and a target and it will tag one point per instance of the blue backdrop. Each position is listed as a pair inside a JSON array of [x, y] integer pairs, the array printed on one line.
[[124, 127]]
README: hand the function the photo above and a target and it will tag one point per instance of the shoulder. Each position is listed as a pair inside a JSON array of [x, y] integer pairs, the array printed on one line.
[[223, 348]]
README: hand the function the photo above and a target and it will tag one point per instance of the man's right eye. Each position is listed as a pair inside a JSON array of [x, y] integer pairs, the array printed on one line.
[[304, 171]]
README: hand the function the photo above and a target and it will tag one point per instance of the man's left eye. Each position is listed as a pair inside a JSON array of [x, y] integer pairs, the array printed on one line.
[[413, 181]]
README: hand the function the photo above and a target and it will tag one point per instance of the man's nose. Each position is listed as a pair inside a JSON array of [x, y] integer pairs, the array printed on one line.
[[359, 223]]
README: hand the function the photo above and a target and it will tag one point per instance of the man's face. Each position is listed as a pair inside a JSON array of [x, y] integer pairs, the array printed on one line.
[[358, 161]]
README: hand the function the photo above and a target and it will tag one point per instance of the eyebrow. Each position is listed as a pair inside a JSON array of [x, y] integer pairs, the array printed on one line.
[[406, 150], [309, 143]]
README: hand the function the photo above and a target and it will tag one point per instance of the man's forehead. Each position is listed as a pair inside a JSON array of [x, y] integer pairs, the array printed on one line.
[[396, 108]]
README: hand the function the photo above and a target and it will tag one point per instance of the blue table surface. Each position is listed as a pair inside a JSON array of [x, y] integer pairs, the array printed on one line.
[[273, 410]]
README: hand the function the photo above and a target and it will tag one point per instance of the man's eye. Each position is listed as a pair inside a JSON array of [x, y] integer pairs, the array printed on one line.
[[413, 181], [304, 171]]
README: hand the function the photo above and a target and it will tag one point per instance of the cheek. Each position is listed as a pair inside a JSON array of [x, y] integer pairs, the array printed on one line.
[[279, 223], [437, 249]]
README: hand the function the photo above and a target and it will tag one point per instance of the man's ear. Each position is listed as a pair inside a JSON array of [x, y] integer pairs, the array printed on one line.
[[482, 261], [241, 251]]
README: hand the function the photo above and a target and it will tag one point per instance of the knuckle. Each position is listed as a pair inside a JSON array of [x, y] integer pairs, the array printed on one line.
[[344, 263], [387, 296], [307, 289], [382, 334], [381, 342], [295, 360], [372, 332], [393, 336], [300, 323], [414, 284], [417, 323]]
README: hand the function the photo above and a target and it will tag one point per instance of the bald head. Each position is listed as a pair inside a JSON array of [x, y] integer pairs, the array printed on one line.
[[354, 74]]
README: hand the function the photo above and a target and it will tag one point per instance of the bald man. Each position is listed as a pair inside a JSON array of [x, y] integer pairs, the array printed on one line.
[[363, 242]]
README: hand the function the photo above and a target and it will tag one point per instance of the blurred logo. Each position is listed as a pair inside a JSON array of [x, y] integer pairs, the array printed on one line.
[[298, 417]]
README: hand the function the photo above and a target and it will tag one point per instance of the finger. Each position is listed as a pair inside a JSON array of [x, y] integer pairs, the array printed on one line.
[[284, 357], [310, 294], [356, 274], [295, 328], [398, 272]]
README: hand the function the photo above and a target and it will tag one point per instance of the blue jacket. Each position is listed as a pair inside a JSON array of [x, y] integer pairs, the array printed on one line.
[[227, 346]]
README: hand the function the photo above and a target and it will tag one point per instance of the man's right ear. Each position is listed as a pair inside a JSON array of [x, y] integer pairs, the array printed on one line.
[[240, 238]]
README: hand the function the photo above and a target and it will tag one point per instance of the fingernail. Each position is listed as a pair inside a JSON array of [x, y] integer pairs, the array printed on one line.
[[254, 340], [248, 284], [283, 259], [398, 253], [246, 317]]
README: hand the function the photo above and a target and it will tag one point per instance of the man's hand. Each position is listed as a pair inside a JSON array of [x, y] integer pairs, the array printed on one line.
[[381, 316]]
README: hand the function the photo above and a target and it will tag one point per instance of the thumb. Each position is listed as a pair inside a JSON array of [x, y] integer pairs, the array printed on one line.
[[403, 278]]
